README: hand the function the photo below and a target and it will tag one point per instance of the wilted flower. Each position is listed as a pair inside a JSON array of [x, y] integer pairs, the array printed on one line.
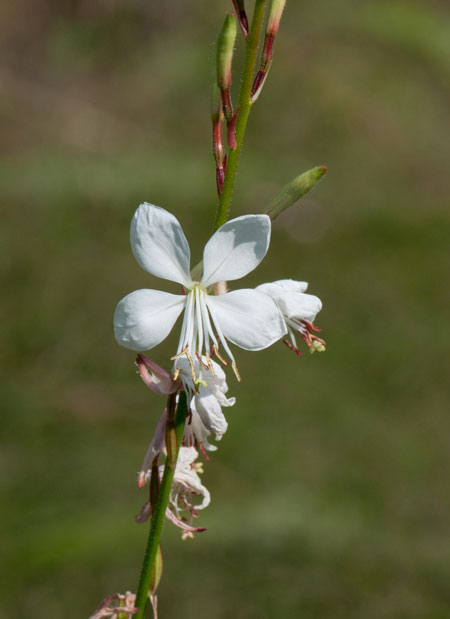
[[155, 377], [116, 604], [299, 311], [186, 485], [206, 398]]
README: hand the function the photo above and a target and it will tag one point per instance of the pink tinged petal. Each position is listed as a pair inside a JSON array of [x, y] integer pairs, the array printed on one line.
[[236, 249], [248, 318], [145, 318], [155, 377], [299, 305], [181, 524], [159, 245], [154, 449]]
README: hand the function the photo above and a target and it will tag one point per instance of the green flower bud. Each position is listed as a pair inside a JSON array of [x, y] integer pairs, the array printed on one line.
[[225, 48], [275, 12], [294, 191]]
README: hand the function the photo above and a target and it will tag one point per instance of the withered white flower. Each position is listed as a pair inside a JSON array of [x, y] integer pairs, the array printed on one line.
[[186, 486], [206, 398], [249, 319], [299, 311]]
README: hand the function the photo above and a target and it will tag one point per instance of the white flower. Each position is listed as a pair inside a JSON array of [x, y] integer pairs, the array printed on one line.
[[299, 311], [247, 318], [186, 485], [206, 398]]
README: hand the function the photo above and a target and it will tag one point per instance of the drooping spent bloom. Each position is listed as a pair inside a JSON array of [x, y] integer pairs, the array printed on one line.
[[116, 604], [299, 311], [155, 377], [154, 449], [249, 319], [186, 486], [206, 398]]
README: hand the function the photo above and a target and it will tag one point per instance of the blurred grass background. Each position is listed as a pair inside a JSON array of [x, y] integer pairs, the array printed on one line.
[[330, 489]]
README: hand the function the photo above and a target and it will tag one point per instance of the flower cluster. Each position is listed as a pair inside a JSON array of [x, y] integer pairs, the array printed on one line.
[[252, 319]]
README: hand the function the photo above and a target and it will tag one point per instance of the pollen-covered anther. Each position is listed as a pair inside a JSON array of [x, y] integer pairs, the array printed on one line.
[[315, 343]]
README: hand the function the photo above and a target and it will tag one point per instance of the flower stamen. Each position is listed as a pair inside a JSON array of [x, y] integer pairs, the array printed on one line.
[[216, 352]]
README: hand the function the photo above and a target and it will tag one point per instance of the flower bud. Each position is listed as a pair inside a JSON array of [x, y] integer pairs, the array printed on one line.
[[171, 446], [275, 12], [273, 23], [157, 571], [225, 48], [294, 191], [240, 10], [216, 104]]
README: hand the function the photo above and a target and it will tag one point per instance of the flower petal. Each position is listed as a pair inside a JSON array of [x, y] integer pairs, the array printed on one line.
[[299, 305], [283, 285], [235, 249], [145, 318], [210, 412], [159, 245], [248, 318]]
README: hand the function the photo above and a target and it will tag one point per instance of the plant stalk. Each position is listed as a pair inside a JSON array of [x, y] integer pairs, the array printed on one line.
[[245, 104], [157, 521]]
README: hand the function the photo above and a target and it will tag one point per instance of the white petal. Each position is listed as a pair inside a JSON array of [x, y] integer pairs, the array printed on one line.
[[248, 318], [195, 429], [159, 245], [210, 412], [283, 285], [236, 248], [186, 457], [299, 305], [145, 318]]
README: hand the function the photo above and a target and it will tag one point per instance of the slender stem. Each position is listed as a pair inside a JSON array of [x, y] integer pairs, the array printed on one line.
[[157, 521], [251, 51]]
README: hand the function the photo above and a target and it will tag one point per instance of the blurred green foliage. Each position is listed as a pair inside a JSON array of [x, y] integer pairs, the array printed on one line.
[[330, 489]]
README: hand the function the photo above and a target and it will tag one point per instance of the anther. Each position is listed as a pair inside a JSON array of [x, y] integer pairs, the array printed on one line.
[[202, 363], [180, 354], [191, 363], [216, 352], [210, 365], [236, 371]]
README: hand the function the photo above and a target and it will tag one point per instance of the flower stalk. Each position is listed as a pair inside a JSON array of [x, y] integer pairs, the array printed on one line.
[[245, 104], [147, 573]]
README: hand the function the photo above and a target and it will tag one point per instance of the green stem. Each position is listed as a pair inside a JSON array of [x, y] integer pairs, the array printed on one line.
[[157, 521], [251, 51]]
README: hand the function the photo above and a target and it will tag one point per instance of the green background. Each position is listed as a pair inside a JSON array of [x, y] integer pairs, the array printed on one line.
[[330, 489]]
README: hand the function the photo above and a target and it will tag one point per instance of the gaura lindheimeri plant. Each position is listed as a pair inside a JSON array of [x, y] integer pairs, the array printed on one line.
[[214, 318]]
